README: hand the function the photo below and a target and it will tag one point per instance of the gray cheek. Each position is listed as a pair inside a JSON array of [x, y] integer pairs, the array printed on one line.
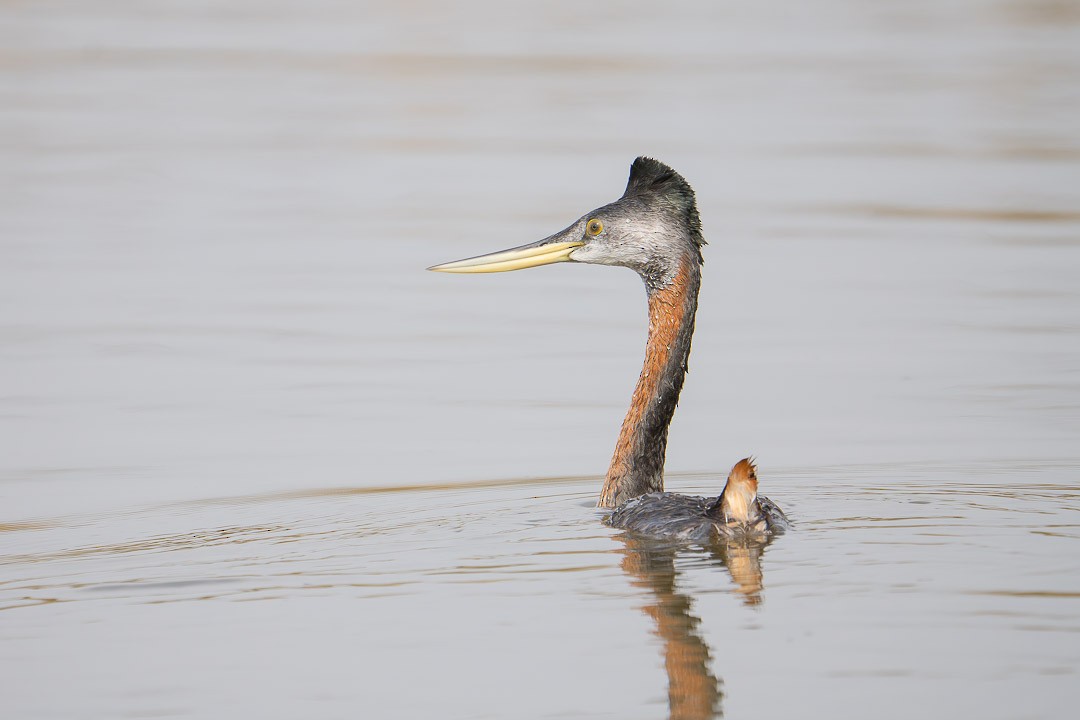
[[631, 253], [640, 243], [601, 254]]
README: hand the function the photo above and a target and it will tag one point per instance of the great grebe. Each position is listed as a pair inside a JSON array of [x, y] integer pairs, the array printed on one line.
[[653, 229], [739, 514]]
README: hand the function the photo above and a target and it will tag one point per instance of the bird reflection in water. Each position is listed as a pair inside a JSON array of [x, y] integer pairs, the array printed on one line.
[[694, 692]]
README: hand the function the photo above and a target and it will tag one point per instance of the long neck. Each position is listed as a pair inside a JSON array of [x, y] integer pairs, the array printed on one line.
[[637, 466]]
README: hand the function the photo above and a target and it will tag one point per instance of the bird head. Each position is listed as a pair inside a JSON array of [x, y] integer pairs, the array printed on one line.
[[738, 502], [652, 229]]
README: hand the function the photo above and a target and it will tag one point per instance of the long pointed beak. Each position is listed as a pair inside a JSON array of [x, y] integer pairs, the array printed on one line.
[[519, 258]]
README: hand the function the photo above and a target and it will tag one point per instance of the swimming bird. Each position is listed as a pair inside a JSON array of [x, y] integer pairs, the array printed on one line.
[[655, 230], [739, 515]]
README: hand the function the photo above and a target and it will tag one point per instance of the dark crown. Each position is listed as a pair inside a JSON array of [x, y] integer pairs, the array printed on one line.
[[653, 180]]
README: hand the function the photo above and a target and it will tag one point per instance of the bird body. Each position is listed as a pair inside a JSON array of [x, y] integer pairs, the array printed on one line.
[[655, 230], [739, 513]]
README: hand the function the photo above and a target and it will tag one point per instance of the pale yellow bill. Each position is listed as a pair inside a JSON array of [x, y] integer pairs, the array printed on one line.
[[516, 259]]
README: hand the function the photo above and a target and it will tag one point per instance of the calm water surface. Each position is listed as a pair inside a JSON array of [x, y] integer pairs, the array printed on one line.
[[255, 462]]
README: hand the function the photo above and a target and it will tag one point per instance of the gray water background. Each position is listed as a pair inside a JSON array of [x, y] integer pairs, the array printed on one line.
[[254, 461]]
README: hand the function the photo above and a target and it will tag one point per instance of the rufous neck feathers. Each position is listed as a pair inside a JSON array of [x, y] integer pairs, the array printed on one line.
[[637, 466]]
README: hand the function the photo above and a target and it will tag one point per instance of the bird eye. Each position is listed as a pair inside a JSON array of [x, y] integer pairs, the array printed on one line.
[[595, 227]]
